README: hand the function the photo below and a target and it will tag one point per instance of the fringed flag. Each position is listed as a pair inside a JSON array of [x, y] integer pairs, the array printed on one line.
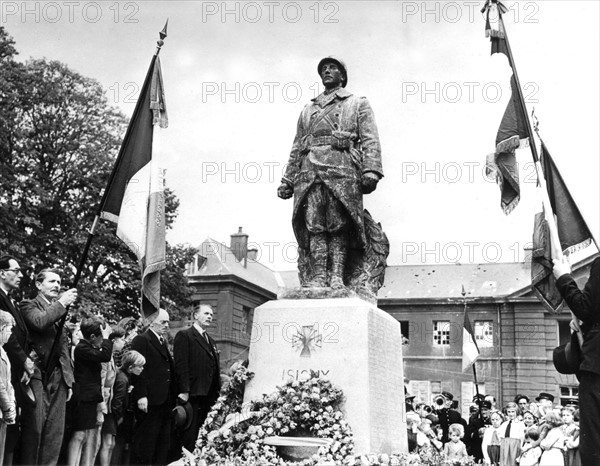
[[135, 199], [470, 350], [573, 232], [512, 134]]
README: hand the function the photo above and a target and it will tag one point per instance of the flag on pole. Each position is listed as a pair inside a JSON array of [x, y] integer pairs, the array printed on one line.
[[470, 350], [135, 198], [573, 232], [512, 134]]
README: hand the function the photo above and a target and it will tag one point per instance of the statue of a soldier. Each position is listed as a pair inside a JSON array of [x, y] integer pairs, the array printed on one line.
[[335, 159]]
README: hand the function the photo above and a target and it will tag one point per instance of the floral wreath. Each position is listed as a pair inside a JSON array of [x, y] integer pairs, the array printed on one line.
[[235, 435]]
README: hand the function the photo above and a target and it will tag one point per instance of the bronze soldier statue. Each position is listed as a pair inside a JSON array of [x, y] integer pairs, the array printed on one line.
[[335, 159]]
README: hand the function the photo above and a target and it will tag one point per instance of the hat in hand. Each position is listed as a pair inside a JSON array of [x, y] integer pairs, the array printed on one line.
[[182, 416]]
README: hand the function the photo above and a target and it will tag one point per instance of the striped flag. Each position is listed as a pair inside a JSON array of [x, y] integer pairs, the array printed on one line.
[[512, 133], [572, 230], [135, 198], [470, 350]]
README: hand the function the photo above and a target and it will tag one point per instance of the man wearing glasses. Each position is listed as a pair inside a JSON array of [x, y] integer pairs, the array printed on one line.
[[16, 348]]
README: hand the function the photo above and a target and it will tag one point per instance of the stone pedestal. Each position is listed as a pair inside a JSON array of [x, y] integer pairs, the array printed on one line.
[[348, 340]]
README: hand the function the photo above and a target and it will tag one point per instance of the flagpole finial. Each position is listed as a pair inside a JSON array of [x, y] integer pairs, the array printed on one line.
[[162, 34]]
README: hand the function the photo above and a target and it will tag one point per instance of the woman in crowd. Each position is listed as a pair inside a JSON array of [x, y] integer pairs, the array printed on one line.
[[132, 363], [554, 443], [513, 435], [571, 431], [529, 420], [491, 440]]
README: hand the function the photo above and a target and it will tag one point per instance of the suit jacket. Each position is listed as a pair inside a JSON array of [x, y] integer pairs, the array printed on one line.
[[157, 380], [88, 369], [586, 306], [41, 319], [196, 364], [17, 347]]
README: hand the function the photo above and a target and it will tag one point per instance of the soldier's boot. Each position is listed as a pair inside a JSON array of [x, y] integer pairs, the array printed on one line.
[[338, 245], [318, 251]]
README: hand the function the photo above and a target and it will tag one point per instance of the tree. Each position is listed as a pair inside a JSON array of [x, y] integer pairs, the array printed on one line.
[[59, 138]]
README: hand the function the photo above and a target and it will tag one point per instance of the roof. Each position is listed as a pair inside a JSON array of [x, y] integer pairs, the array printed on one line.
[[496, 280], [221, 261], [443, 281]]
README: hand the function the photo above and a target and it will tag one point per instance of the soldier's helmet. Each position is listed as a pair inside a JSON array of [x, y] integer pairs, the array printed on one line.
[[339, 63]]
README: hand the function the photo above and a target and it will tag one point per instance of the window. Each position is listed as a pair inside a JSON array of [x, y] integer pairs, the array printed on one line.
[[247, 318], [484, 333], [568, 395], [441, 332], [564, 332], [404, 331]]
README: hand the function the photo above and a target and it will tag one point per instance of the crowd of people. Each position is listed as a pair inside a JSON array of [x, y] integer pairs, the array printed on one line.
[[82, 392], [522, 433]]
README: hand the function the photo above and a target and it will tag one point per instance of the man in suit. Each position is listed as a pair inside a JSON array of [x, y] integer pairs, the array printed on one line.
[[197, 368], [16, 347], [153, 393], [44, 421], [585, 304]]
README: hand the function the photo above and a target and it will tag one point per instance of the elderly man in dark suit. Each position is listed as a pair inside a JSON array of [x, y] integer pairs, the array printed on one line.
[[197, 368], [43, 422], [16, 347], [153, 393], [586, 307]]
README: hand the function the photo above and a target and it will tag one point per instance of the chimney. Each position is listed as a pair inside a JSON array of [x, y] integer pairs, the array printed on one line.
[[239, 245], [252, 254]]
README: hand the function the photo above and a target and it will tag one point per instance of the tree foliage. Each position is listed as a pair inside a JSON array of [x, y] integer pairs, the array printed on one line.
[[59, 138]]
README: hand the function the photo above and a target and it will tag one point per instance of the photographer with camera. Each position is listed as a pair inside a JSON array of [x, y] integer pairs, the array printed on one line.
[[447, 416]]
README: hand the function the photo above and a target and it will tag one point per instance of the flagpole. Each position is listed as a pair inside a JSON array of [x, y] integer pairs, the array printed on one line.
[[464, 295]]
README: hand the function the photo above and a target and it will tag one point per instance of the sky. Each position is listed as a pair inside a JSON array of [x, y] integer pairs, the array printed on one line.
[[237, 75]]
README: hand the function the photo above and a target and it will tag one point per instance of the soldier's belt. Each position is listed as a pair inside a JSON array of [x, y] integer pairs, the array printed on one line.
[[335, 142]]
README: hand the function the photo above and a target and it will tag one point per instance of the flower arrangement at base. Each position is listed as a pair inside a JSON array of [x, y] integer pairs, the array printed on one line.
[[233, 435], [309, 407]]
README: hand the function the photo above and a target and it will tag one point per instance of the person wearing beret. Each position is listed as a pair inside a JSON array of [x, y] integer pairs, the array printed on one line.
[[585, 304]]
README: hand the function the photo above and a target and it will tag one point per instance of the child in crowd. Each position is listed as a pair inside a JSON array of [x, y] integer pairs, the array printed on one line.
[[8, 413], [90, 353], [571, 431], [554, 443], [531, 454], [490, 445], [132, 363], [455, 449], [513, 432]]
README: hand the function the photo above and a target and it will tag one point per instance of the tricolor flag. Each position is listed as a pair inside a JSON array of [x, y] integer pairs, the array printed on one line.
[[135, 198], [470, 350], [572, 230], [512, 133]]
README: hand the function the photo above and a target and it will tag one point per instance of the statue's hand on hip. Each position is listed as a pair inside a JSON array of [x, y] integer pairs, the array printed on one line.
[[285, 191], [369, 182]]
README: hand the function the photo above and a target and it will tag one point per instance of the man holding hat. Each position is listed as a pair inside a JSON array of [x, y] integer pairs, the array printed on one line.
[[335, 159], [153, 393]]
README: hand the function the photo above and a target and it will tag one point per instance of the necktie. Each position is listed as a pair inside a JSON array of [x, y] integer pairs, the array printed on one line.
[[206, 338], [495, 439], [507, 433]]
